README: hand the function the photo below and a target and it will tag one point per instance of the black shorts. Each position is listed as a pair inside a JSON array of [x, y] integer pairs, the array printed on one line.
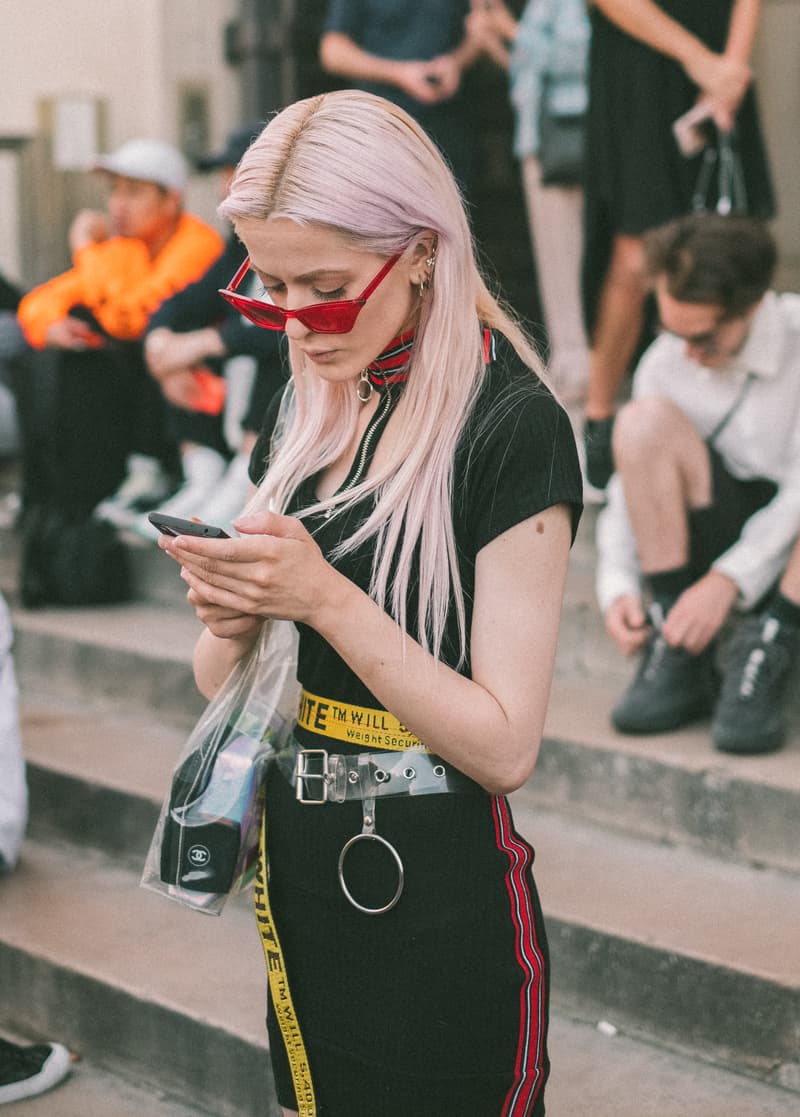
[[714, 529]]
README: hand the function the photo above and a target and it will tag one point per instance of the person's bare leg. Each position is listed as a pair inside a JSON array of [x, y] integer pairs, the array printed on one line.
[[665, 470], [289, 1112], [556, 231], [617, 327]]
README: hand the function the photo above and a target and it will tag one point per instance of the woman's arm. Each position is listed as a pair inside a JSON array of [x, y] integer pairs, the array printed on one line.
[[216, 656], [491, 28], [339, 54], [488, 726], [743, 29], [646, 21], [722, 78]]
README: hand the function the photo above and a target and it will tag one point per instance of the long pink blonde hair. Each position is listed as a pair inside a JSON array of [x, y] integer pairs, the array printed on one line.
[[360, 165]]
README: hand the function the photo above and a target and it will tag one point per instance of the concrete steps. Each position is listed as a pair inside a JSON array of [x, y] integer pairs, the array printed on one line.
[[657, 936], [669, 874], [92, 1091], [138, 982], [671, 788], [671, 943]]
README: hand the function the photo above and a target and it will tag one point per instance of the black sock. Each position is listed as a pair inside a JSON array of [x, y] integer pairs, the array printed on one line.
[[783, 609], [666, 586]]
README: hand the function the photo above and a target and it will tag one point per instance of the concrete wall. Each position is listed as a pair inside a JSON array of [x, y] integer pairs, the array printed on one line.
[[137, 67], [777, 65]]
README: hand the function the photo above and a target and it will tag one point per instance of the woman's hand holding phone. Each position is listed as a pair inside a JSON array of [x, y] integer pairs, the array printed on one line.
[[177, 525], [274, 568]]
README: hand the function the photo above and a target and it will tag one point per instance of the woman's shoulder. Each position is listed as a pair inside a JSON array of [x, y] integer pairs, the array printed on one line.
[[517, 455], [513, 398]]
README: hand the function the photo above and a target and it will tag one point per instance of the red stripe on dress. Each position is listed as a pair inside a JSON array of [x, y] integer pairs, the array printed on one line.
[[529, 1063]]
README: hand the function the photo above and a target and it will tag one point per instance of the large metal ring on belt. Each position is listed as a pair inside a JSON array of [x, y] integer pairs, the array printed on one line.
[[368, 777], [368, 835], [364, 782]]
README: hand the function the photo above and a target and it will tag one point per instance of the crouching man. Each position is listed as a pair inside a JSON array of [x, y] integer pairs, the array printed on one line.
[[704, 508]]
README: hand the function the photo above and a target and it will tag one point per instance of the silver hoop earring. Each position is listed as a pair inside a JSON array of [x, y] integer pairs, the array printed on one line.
[[364, 388]]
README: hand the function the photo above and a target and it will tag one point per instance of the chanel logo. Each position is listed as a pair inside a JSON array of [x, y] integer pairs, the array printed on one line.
[[199, 856]]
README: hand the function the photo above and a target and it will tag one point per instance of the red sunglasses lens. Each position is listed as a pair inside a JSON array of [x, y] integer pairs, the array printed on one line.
[[264, 315], [319, 319], [261, 314], [330, 319]]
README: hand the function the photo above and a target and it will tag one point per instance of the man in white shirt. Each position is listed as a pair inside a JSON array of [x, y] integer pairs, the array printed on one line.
[[704, 509]]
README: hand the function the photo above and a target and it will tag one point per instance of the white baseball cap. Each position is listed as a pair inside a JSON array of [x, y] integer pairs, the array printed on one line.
[[148, 160]]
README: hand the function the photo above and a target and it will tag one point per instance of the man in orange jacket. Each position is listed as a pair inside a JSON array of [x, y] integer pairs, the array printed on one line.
[[97, 418]]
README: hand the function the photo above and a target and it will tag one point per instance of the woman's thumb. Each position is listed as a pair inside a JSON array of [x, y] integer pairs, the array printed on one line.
[[269, 523]]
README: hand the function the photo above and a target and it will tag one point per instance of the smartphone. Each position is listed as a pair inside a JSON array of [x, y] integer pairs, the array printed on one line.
[[176, 525], [692, 131]]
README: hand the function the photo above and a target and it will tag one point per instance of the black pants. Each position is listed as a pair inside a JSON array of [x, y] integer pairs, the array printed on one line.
[[81, 415], [198, 427], [714, 529]]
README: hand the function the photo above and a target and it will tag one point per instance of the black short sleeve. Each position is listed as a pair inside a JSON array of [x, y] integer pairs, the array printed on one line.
[[518, 456]]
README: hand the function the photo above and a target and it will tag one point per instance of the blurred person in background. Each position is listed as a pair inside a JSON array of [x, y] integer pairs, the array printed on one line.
[[550, 41], [218, 373], [24, 1070], [97, 426], [11, 343], [649, 64], [704, 509], [415, 55]]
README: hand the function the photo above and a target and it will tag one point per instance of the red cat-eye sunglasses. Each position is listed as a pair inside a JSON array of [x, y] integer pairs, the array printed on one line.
[[321, 318]]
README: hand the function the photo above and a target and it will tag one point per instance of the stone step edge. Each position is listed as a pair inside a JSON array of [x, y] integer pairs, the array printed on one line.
[[122, 821], [136, 1037], [676, 792], [121, 678], [742, 821], [632, 972], [117, 971], [634, 984]]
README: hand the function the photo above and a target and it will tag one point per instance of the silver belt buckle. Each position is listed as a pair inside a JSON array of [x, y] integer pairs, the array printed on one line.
[[303, 775]]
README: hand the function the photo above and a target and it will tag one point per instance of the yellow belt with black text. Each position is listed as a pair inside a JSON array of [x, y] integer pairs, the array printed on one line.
[[279, 987], [320, 777], [360, 725]]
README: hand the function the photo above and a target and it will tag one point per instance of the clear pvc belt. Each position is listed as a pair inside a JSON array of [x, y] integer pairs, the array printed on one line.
[[320, 777]]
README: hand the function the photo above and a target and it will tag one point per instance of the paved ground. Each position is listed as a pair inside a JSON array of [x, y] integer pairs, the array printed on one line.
[[592, 1077]]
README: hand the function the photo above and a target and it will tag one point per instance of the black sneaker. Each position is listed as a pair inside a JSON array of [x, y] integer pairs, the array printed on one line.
[[27, 1071], [597, 448], [671, 688], [756, 669]]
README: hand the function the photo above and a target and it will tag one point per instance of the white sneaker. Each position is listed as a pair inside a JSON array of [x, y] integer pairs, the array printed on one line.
[[28, 1071], [203, 468], [144, 487], [230, 496]]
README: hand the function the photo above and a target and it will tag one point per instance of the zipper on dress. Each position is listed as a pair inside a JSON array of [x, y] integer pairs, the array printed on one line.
[[366, 442]]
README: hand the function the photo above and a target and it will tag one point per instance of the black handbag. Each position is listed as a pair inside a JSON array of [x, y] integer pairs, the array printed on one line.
[[562, 130], [68, 560], [720, 184]]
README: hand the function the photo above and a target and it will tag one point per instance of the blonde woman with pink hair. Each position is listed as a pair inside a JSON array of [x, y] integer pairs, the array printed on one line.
[[418, 490]]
